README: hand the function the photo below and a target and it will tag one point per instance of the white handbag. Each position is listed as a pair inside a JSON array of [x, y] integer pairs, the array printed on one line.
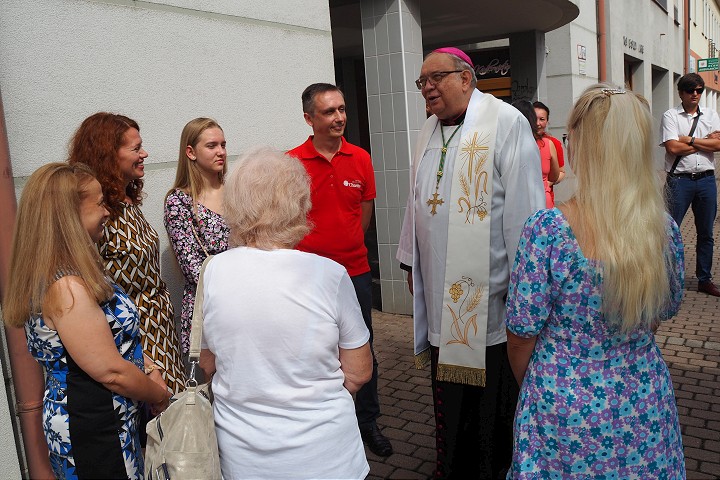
[[181, 441]]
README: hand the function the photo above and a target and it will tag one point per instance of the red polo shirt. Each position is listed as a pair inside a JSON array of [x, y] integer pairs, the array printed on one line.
[[338, 187]]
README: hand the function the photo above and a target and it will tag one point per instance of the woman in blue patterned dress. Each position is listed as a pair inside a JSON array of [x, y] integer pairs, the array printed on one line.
[[591, 282], [194, 208], [80, 326]]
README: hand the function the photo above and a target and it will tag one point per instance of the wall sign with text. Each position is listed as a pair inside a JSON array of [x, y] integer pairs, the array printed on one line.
[[707, 64], [491, 63], [631, 44]]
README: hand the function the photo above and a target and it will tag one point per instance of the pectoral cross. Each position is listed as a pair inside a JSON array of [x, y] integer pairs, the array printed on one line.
[[434, 202]]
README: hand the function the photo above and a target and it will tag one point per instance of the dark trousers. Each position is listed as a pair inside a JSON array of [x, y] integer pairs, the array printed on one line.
[[701, 194], [367, 405], [474, 425]]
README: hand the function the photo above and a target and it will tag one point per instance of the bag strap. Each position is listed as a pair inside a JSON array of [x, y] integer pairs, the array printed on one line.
[[692, 130], [197, 323], [197, 237]]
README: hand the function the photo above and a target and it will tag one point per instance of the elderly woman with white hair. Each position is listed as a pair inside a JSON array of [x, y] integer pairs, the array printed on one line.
[[283, 336]]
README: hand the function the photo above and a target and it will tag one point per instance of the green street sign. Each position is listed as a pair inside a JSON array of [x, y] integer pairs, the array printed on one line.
[[708, 64]]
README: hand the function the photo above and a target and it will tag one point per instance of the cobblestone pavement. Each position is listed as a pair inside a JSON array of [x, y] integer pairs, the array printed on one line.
[[690, 343]]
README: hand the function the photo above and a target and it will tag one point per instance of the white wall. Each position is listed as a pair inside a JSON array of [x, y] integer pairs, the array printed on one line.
[[660, 38], [565, 78], [162, 63], [8, 449]]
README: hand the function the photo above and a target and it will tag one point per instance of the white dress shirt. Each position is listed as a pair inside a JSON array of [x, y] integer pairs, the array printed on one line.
[[675, 123]]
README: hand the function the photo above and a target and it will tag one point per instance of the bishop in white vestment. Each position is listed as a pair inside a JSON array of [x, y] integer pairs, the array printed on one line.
[[475, 179]]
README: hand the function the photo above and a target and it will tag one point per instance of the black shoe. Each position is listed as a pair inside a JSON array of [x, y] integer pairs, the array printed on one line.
[[376, 441], [709, 288]]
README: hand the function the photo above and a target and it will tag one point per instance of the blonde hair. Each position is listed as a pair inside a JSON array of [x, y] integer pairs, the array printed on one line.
[[49, 238], [188, 176], [620, 203], [267, 199]]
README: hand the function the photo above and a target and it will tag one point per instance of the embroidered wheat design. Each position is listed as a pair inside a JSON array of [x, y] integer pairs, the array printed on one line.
[[465, 187], [475, 299]]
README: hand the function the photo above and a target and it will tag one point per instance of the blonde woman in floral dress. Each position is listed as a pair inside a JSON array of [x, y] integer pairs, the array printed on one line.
[[592, 280], [194, 208], [111, 145]]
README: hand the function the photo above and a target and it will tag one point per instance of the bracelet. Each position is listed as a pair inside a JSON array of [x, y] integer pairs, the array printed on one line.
[[152, 368], [28, 407]]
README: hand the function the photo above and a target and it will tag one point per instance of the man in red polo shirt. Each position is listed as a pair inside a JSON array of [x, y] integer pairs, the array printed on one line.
[[343, 189]]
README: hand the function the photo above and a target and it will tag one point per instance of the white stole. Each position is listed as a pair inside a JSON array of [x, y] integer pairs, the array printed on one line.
[[467, 264]]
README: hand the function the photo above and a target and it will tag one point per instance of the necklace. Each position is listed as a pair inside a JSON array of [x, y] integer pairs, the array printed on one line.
[[435, 201]]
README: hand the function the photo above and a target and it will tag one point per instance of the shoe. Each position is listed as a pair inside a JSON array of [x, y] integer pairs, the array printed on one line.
[[376, 441], [709, 288]]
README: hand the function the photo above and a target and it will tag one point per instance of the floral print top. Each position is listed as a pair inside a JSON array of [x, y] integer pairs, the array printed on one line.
[[595, 403], [210, 237]]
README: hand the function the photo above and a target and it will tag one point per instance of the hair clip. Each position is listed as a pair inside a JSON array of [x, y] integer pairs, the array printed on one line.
[[612, 91]]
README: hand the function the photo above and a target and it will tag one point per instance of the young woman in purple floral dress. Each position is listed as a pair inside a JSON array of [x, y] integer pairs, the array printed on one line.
[[591, 282], [194, 208]]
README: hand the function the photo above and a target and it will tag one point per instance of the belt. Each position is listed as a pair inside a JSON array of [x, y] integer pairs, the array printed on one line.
[[693, 176]]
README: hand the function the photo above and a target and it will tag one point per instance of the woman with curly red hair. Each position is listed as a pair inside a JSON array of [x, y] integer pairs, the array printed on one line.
[[111, 145]]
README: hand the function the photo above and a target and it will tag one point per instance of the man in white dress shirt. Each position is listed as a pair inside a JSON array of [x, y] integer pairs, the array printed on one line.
[[475, 179], [690, 167]]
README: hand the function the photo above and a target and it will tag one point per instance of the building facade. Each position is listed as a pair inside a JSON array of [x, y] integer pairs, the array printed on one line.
[[704, 33], [638, 44]]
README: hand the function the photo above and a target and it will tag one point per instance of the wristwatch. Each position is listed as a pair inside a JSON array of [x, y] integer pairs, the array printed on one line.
[[692, 140]]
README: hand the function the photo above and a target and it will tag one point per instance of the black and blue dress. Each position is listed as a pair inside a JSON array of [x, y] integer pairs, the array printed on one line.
[[91, 432]]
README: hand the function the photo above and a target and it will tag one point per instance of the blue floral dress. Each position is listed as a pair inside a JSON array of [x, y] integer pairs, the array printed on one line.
[[595, 403], [91, 432]]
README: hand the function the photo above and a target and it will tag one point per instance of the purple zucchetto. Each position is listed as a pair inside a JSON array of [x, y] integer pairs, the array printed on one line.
[[455, 52]]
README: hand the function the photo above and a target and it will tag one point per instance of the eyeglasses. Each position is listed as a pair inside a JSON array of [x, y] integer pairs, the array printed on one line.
[[434, 78], [698, 90]]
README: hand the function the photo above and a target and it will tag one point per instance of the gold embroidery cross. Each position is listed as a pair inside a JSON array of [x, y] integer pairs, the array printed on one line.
[[472, 148], [434, 202]]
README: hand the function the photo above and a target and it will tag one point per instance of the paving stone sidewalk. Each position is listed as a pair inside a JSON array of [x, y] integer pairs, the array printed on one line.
[[690, 343]]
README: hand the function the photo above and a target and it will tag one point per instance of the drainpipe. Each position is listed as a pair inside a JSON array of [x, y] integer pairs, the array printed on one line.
[[686, 46], [602, 48], [26, 373]]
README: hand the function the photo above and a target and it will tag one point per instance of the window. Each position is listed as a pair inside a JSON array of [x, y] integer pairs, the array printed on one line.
[[662, 4]]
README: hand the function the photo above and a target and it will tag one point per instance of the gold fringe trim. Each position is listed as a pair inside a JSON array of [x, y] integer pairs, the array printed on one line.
[[459, 374], [422, 359]]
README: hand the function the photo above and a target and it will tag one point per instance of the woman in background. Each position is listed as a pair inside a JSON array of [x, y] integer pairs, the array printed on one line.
[[194, 208], [80, 326], [542, 112], [548, 154], [283, 335], [592, 280], [111, 145]]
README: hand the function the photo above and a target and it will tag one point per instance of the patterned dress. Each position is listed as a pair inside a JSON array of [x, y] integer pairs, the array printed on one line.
[[91, 432], [595, 403], [130, 248], [210, 237]]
